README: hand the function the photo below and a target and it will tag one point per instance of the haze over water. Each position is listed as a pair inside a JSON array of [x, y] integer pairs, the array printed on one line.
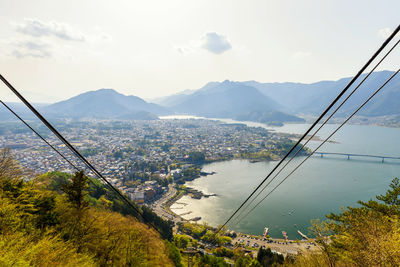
[[318, 187]]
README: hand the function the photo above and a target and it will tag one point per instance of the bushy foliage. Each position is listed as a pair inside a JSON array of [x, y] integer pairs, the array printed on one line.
[[243, 261], [196, 157], [76, 191], [212, 261], [9, 168], [39, 227], [205, 233], [165, 227], [268, 258], [223, 252], [181, 241], [20, 249], [194, 229], [174, 254], [101, 196], [368, 235]]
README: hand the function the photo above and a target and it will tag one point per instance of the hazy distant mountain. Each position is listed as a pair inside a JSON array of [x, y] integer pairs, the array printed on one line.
[[278, 102], [139, 115], [105, 103], [313, 98], [229, 100], [20, 109], [269, 117], [223, 100], [251, 100], [171, 100], [386, 102]]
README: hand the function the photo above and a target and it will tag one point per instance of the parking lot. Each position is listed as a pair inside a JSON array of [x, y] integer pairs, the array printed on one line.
[[276, 245]]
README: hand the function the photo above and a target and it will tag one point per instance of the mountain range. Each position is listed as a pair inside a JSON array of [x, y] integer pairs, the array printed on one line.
[[298, 98], [99, 104], [105, 103], [313, 98], [249, 100], [231, 100]]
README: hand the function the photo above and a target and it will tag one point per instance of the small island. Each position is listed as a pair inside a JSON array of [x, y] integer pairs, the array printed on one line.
[[196, 194]]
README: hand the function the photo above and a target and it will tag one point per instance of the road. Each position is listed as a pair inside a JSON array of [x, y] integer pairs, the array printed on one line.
[[158, 205], [276, 245]]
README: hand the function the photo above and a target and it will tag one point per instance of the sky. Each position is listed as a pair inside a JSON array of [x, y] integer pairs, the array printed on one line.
[[52, 50]]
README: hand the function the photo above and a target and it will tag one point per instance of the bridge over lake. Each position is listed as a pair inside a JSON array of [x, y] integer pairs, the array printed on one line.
[[349, 155]]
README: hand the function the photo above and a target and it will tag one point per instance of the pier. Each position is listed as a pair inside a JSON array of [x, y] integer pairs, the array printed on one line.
[[348, 155]]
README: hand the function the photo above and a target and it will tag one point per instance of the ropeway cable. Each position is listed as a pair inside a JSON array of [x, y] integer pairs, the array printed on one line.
[[41, 137], [76, 152], [337, 129], [312, 136], [316, 122], [44, 140]]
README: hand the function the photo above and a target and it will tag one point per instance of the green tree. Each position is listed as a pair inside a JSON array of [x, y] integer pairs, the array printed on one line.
[[322, 230], [174, 254], [53, 181], [196, 157], [388, 204], [76, 191], [268, 258], [39, 227], [46, 215], [9, 167], [181, 241], [212, 261], [368, 235], [243, 261], [223, 252]]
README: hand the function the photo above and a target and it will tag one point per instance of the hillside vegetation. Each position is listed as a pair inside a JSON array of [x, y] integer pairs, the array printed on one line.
[[368, 235], [43, 223], [58, 219]]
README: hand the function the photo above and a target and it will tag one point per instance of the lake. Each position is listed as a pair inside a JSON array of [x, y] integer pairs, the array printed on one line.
[[318, 187]]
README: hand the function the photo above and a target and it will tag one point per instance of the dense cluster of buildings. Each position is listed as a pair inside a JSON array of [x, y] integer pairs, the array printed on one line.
[[129, 150], [142, 193]]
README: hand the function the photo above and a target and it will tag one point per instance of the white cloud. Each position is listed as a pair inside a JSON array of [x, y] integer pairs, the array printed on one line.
[[184, 49], [38, 28], [99, 35], [301, 54], [31, 49], [41, 39], [215, 43], [106, 36], [211, 41], [385, 32], [189, 48]]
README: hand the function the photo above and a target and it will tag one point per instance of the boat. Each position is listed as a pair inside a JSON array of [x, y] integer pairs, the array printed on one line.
[[285, 235], [303, 235], [265, 231]]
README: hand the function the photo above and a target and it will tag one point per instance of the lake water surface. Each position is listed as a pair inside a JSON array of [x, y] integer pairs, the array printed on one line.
[[318, 187]]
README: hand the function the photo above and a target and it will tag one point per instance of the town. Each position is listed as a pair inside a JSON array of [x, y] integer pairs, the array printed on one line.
[[141, 158]]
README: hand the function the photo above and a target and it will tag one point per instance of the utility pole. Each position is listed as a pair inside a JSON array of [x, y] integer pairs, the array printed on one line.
[[190, 252]]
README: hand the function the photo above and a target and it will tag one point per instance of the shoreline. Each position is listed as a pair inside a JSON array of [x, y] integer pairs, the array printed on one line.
[[178, 212], [275, 240]]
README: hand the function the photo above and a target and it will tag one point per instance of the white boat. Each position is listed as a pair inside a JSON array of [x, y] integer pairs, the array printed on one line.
[[265, 231], [303, 235], [285, 235]]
